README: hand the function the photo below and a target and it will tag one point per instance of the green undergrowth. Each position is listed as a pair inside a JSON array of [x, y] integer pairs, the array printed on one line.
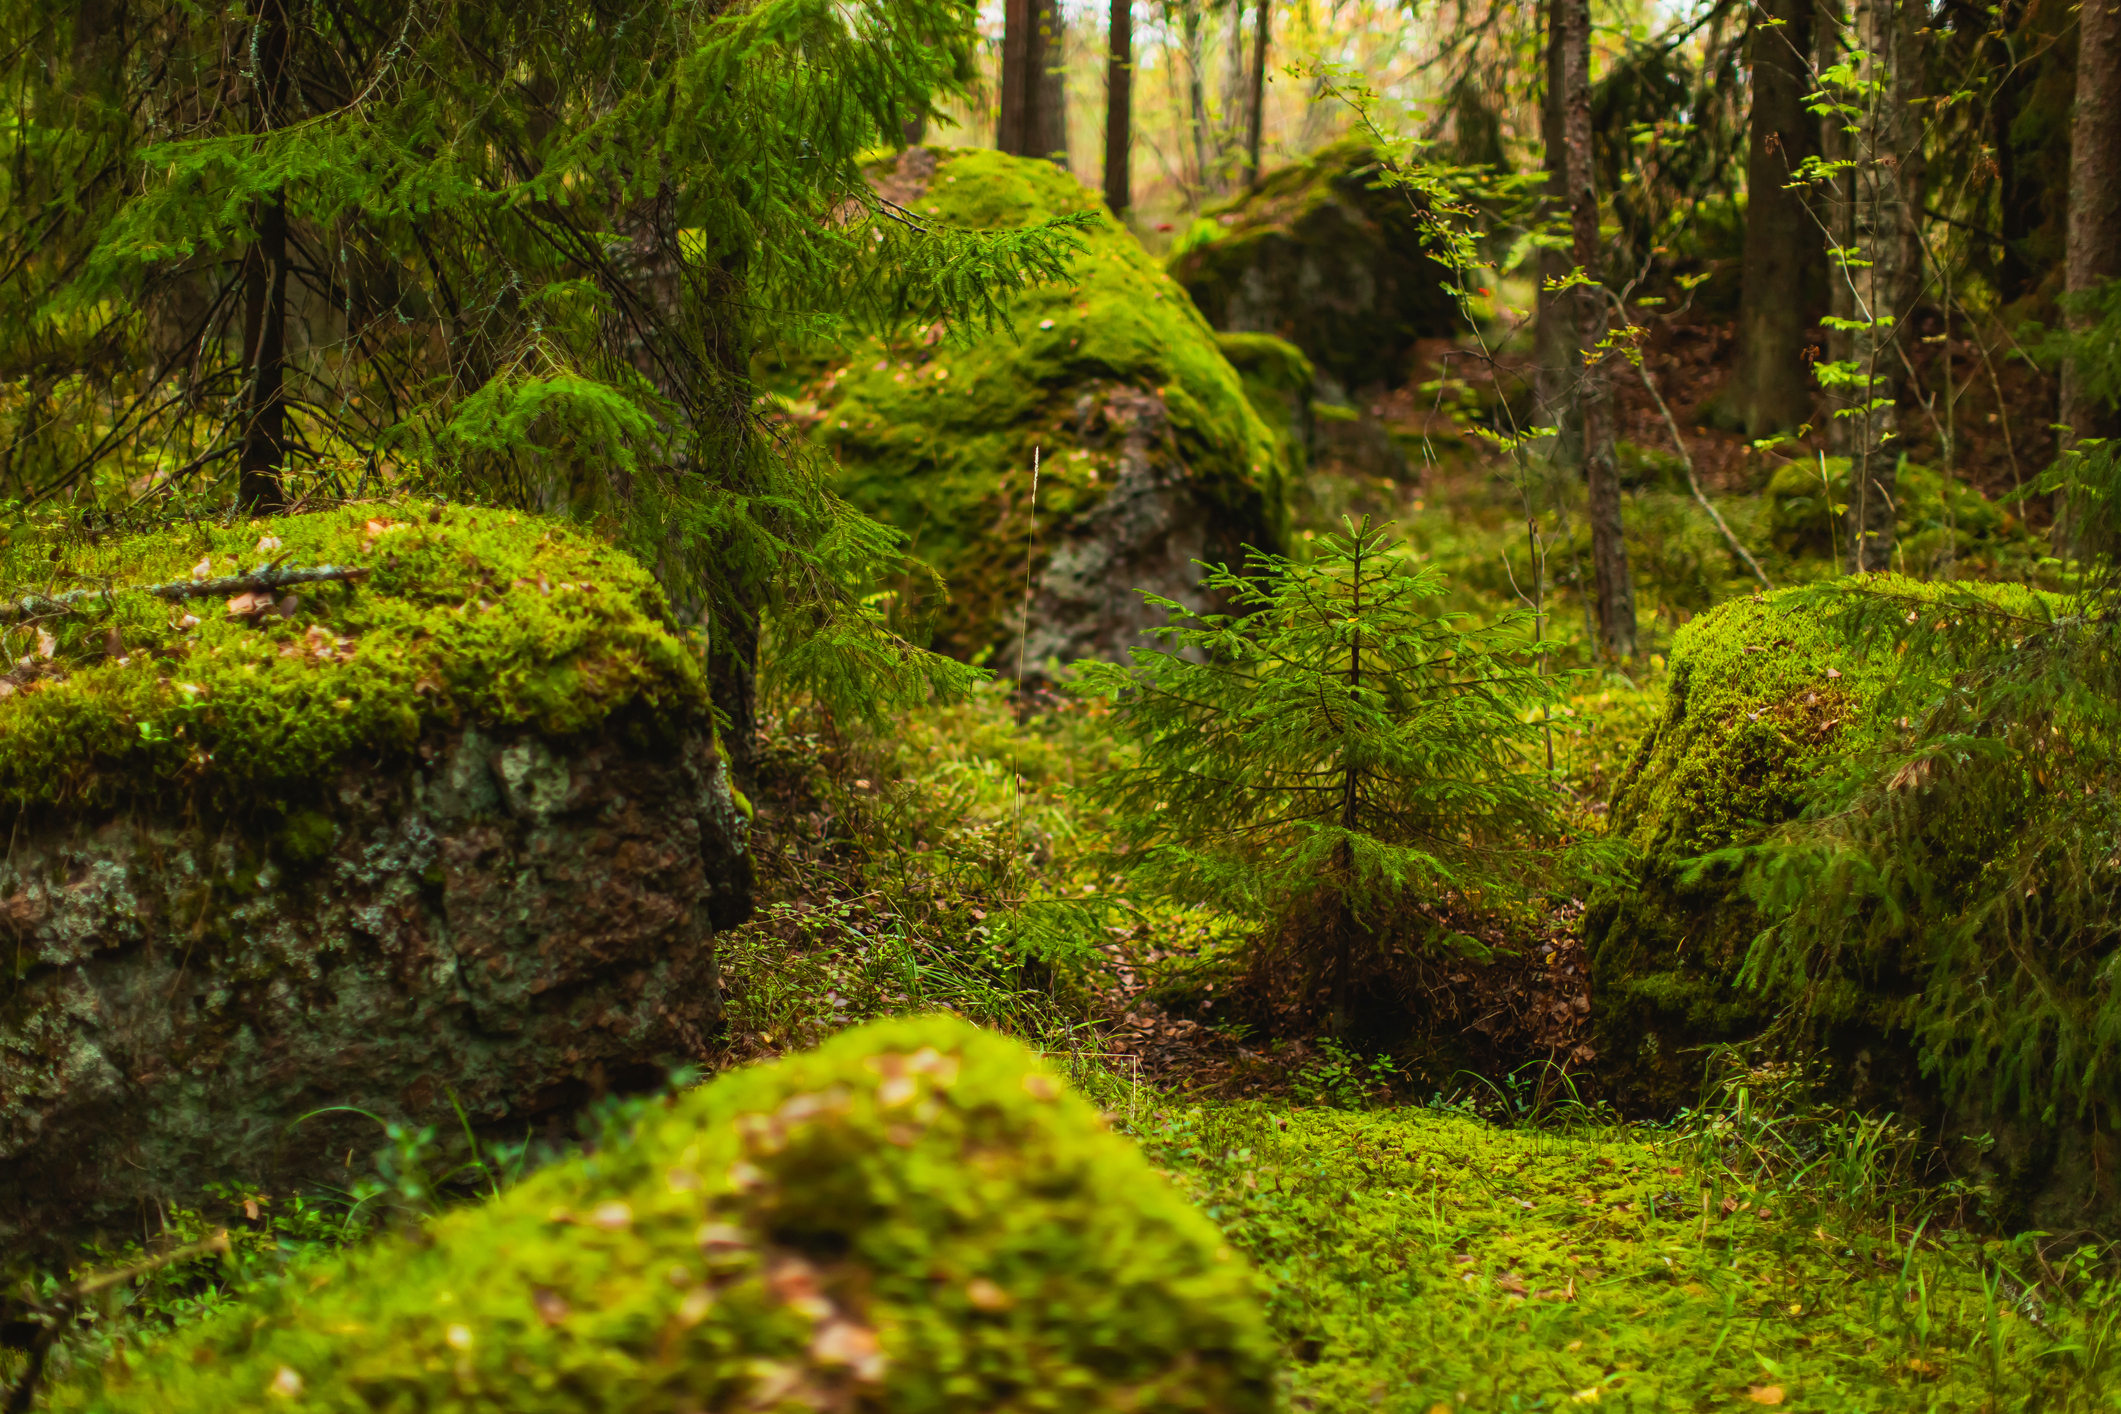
[[464, 614], [1424, 1260], [916, 1216], [935, 435]]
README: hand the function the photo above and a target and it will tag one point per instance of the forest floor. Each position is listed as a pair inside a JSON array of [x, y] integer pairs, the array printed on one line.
[[1494, 1239]]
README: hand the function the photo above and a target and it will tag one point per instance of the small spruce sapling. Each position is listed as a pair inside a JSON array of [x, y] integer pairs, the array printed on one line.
[[1331, 753]]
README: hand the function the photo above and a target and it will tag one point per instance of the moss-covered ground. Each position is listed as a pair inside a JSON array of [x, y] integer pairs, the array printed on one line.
[[489, 616]]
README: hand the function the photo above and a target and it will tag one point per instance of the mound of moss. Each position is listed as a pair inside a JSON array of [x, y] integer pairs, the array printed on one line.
[[1764, 694], [1321, 255], [460, 614], [916, 1217], [1151, 456]]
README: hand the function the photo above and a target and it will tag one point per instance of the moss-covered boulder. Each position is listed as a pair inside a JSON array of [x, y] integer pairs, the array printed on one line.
[[1151, 456], [916, 1217], [1322, 256], [1937, 523], [452, 831], [1764, 694]]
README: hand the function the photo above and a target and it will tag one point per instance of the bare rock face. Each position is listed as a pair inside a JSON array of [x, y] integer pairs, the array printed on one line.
[[497, 921]]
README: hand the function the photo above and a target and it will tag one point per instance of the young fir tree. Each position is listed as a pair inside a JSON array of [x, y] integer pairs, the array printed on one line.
[[1333, 752], [268, 249]]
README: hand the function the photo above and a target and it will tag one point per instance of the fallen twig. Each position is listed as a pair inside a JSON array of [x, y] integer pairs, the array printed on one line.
[[263, 579]]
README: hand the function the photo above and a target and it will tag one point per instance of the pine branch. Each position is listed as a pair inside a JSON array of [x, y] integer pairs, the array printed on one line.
[[262, 580]]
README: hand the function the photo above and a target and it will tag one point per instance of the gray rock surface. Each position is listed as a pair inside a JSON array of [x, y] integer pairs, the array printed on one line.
[[501, 923]]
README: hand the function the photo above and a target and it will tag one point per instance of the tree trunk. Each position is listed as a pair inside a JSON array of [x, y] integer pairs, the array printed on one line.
[[1050, 132], [263, 459], [1554, 336], [1874, 221], [1196, 94], [1785, 244], [1119, 109], [1593, 387], [1256, 115], [1021, 68], [2094, 250]]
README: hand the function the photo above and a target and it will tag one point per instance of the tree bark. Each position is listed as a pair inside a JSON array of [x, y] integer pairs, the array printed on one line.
[[1256, 116], [262, 461], [1593, 389], [1554, 335], [2094, 249], [1875, 214], [1196, 93], [1119, 109], [1019, 101], [1785, 244], [1050, 132]]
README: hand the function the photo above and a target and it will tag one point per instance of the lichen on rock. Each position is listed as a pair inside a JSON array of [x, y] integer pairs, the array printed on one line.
[[456, 834], [917, 1217], [1150, 455]]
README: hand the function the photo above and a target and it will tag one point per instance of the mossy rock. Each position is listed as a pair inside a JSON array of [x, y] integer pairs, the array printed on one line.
[[1764, 694], [1936, 524], [463, 615], [453, 838], [1151, 455], [1321, 255], [916, 1217]]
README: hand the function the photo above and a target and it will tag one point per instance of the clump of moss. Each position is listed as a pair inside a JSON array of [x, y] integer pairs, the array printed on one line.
[[495, 617], [1941, 525], [1323, 255], [916, 1217], [1278, 381], [1765, 692], [936, 437]]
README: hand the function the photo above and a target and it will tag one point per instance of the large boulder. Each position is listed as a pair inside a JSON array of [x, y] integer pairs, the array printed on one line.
[[1323, 255], [1767, 694], [918, 1217], [1151, 458], [453, 833]]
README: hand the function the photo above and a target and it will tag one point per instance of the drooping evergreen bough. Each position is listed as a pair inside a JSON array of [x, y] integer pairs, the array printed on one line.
[[521, 253], [1333, 752]]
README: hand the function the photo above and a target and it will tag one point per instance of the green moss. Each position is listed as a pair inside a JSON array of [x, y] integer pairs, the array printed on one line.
[[937, 439], [1764, 693], [1321, 255], [1937, 522], [1277, 380], [466, 614], [916, 1217]]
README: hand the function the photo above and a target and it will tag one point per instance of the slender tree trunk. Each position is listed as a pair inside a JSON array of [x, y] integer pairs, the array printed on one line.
[[1594, 390], [1049, 133], [1554, 337], [1119, 109], [1785, 245], [2094, 242], [1256, 114], [1196, 92], [262, 461], [1350, 798], [1880, 272]]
